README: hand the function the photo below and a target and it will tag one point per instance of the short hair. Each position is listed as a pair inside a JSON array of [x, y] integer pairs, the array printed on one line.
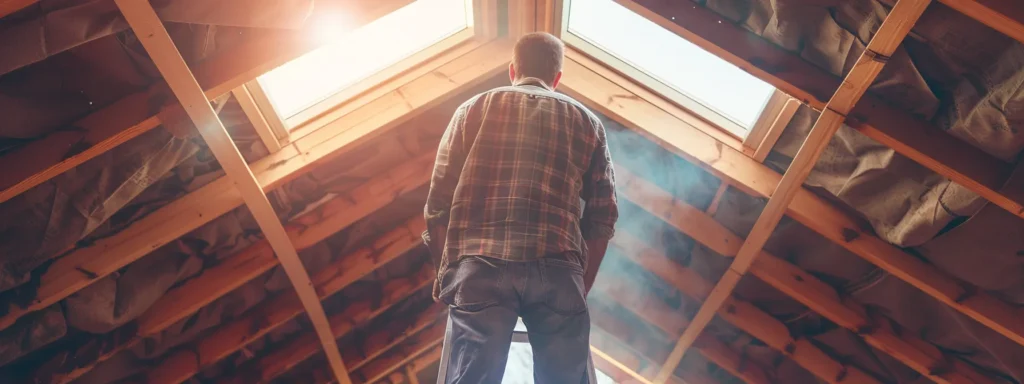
[[539, 55]]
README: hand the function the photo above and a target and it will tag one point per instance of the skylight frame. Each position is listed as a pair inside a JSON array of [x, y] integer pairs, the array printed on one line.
[[659, 87], [481, 27]]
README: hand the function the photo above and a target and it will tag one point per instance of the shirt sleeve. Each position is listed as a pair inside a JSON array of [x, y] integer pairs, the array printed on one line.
[[445, 177], [601, 210]]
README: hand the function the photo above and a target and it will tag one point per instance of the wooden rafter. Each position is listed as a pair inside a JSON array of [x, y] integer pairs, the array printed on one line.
[[374, 340], [257, 118], [383, 360], [305, 230], [364, 121], [589, 81], [8, 7], [889, 36], [298, 350], [642, 364], [915, 353], [425, 359], [912, 137], [267, 316], [1005, 16], [161, 49], [132, 115], [737, 312], [672, 322]]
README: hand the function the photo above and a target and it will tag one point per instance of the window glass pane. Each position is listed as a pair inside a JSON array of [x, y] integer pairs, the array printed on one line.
[[317, 75], [670, 59]]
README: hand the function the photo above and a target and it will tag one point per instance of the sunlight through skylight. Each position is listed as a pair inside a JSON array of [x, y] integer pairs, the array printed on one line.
[[351, 57], [670, 59]]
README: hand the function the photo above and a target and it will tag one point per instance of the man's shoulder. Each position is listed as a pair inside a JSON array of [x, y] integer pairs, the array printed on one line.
[[561, 97]]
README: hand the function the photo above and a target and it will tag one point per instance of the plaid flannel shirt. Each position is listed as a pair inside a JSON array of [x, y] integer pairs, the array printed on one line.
[[521, 172]]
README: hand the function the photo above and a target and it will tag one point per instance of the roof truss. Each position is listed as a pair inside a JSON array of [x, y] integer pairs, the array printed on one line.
[[422, 82]]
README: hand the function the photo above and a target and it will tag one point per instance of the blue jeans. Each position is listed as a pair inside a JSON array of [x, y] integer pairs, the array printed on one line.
[[486, 296]]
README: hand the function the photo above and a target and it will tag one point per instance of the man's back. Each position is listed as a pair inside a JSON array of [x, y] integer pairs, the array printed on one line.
[[526, 156], [519, 213]]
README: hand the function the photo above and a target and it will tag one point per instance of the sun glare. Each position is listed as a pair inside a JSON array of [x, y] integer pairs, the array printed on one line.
[[351, 56]]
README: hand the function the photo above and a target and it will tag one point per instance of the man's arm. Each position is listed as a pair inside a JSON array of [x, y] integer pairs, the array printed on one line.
[[601, 210], [447, 169]]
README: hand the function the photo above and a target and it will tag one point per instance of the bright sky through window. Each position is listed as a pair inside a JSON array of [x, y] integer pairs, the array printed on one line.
[[670, 59], [351, 57]]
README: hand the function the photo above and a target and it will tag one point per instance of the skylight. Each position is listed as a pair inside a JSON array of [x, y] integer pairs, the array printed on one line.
[[314, 77], [668, 63]]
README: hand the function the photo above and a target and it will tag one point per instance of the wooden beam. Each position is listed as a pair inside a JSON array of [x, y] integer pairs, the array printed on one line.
[[257, 119], [912, 137], [600, 90], [382, 360], [220, 343], [671, 322], [1005, 16], [617, 370], [915, 353], [161, 49], [643, 364], [418, 364], [775, 130], [8, 7], [305, 231], [133, 115], [378, 114], [737, 312], [401, 354], [279, 361], [889, 36]]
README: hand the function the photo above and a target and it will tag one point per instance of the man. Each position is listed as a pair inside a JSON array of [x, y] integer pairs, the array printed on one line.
[[519, 213]]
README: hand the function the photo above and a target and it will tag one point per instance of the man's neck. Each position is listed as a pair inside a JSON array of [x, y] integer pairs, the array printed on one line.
[[531, 81]]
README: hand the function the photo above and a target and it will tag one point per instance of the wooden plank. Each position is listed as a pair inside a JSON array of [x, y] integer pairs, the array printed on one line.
[[914, 138], [672, 322], [417, 349], [256, 117], [280, 360], [99, 132], [765, 120], [410, 374], [401, 354], [885, 41], [618, 371], [161, 49], [305, 231], [8, 7], [601, 92], [1005, 16], [133, 115], [268, 315], [642, 363], [86, 265], [741, 314], [917, 354], [775, 130]]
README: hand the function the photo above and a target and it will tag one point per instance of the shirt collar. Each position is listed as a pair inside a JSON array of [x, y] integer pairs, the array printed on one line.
[[532, 81]]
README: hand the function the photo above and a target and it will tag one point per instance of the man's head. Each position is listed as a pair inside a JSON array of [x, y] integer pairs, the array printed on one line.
[[537, 55]]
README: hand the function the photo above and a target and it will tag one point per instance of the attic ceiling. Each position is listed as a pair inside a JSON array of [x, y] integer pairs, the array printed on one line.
[[127, 255]]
